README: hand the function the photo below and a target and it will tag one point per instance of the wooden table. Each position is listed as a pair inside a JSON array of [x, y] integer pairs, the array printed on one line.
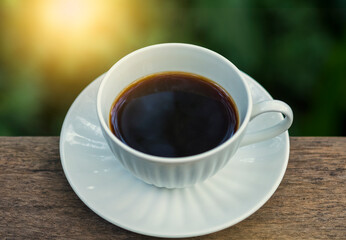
[[36, 201]]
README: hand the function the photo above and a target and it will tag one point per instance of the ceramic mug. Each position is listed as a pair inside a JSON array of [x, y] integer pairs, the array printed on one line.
[[184, 171]]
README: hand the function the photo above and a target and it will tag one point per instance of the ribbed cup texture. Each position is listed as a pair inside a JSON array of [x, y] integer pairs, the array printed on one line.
[[170, 174]]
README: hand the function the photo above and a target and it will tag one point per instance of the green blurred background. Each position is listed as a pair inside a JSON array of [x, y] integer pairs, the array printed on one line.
[[51, 49]]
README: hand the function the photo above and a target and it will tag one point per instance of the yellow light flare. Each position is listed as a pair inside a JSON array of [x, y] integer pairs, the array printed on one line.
[[70, 32], [67, 35], [67, 38], [71, 16]]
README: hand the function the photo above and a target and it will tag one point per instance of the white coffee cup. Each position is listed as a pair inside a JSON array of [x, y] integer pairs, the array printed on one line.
[[184, 171]]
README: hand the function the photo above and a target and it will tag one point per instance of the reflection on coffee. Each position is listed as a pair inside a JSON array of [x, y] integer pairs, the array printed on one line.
[[173, 114]]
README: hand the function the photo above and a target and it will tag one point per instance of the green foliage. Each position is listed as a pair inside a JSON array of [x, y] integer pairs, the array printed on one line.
[[297, 51]]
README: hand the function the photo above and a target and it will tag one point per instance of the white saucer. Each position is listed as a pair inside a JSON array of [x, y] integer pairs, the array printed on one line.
[[242, 187]]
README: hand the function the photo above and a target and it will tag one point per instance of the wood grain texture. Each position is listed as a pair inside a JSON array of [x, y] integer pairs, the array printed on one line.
[[36, 201]]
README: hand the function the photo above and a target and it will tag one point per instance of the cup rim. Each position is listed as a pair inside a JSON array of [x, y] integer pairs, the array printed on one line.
[[172, 160]]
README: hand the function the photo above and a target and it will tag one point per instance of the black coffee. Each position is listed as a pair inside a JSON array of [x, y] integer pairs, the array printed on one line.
[[173, 114]]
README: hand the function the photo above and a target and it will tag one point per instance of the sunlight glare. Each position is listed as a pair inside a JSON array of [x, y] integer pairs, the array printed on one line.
[[70, 37], [70, 15]]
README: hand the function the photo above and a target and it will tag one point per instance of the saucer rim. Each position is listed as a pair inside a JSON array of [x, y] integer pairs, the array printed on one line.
[[175, 235]]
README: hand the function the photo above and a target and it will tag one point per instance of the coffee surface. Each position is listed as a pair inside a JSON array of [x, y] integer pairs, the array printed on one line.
[[173, 114]]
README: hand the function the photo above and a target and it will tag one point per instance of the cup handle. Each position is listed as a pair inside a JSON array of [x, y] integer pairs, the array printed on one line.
[[282, 126]]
